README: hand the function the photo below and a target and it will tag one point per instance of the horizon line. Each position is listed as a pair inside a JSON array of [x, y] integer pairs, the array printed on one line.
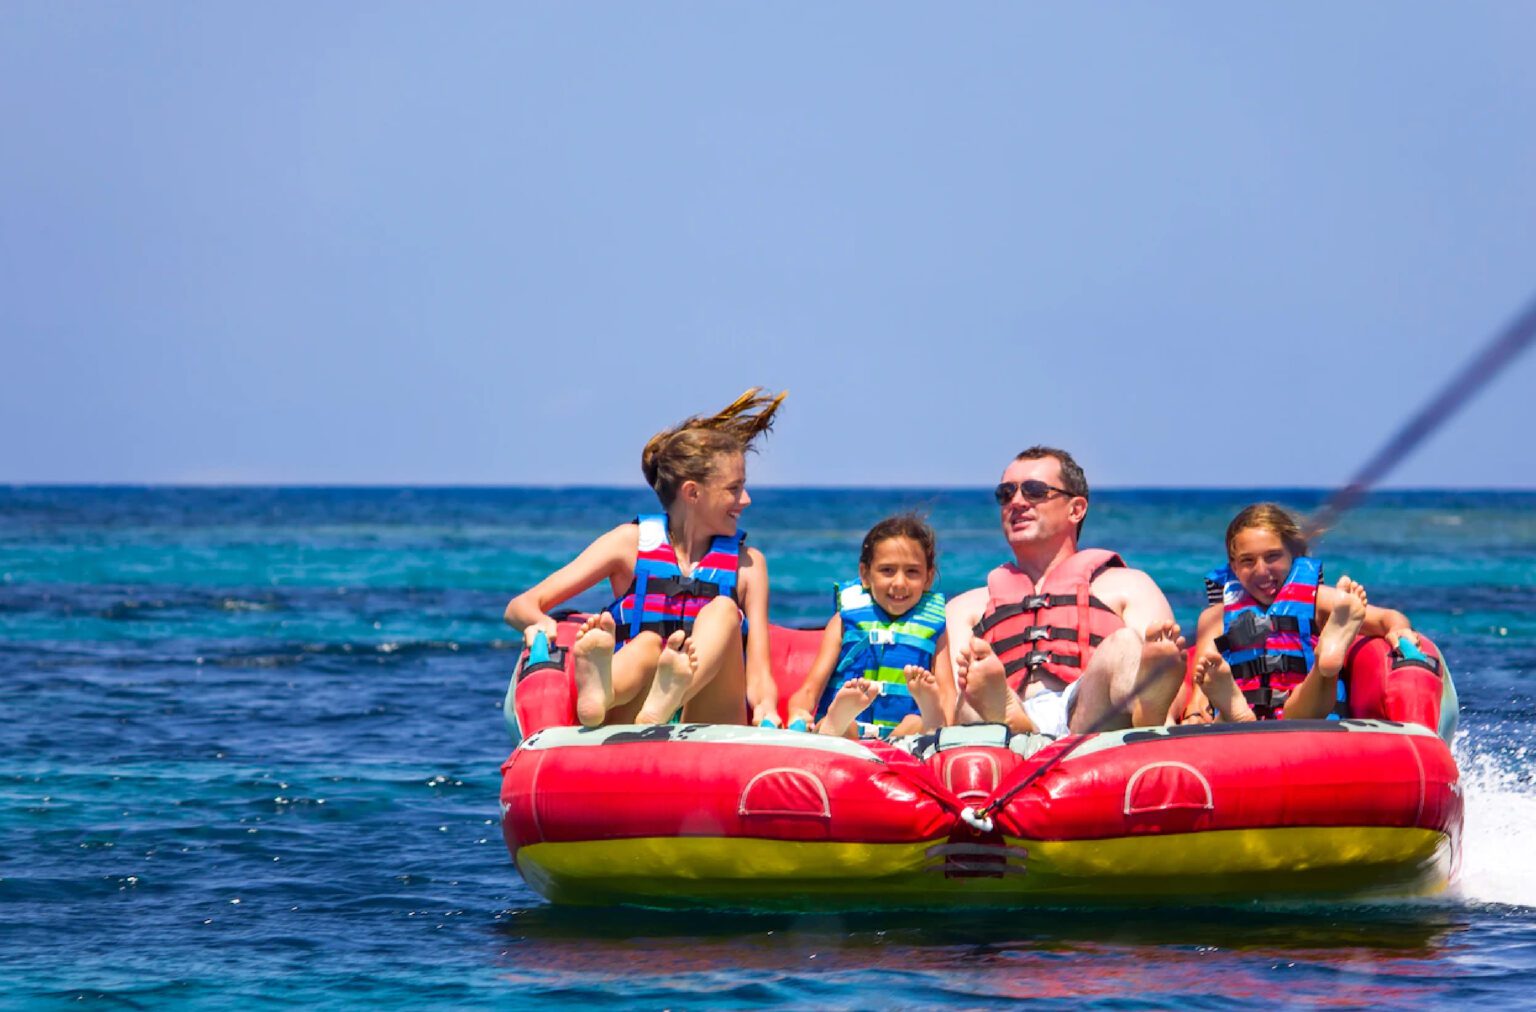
[[775, 486]]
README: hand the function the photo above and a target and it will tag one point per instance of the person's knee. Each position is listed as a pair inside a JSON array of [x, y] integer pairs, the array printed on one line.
[[646, 642], [1123, 640], [720, 613], [720, 606]]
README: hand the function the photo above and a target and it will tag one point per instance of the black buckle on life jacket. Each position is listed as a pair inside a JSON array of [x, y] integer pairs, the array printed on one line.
[[1270, 664], [683, 586], [1035, 602], [1250, 629], [1265, 701], [1036, 658], [1037, 632]]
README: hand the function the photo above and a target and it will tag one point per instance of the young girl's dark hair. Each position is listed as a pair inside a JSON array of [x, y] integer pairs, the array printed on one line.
[[902, 525], [1269, 517], [687, 451]]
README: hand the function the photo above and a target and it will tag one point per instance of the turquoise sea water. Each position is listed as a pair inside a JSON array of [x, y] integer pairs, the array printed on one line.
[[252, 740]]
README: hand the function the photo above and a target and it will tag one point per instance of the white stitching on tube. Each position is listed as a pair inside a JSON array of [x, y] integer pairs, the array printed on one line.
[[1130, 785], [821, 790]]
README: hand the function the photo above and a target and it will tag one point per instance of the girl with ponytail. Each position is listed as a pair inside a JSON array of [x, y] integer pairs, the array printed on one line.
[[688, 627]]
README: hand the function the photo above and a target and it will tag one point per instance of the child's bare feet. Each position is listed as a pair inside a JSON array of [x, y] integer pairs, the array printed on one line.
[[850, 701], [983, 681], [924, 687], [592, 664], [1339, 632], [1214, 678], [674, 677]]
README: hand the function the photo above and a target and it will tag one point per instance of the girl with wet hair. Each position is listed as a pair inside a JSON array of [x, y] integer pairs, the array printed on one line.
[[688, 626]]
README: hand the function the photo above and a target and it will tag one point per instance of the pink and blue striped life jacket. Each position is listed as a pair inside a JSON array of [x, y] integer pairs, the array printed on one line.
[[661, 599], [1269, 649]]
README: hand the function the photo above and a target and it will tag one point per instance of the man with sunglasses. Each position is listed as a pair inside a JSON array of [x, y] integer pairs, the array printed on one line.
[[1061, 639]]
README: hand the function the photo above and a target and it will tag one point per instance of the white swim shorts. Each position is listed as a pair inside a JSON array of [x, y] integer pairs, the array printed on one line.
[[1051, 711]]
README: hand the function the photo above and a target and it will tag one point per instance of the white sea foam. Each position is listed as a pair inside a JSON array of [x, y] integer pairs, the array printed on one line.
[[1499, 846]]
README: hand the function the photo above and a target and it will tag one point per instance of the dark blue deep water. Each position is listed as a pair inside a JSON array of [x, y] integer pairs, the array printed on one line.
[[252, 738]]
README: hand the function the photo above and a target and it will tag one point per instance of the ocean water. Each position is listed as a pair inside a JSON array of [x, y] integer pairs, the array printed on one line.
[[252, 739]]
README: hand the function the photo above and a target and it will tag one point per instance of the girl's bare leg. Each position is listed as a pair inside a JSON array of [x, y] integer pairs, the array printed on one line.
[[850, 701], [674, 676], [718, 690], [1214, 677], [925, 693], [1314, 698], [592, 665], [634, 667]]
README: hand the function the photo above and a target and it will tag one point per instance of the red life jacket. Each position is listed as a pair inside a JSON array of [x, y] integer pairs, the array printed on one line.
[[1053, 630]]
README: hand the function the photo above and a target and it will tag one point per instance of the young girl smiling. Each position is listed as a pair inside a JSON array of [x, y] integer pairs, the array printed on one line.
[[684, 583], [883, 665], [1274, 640]]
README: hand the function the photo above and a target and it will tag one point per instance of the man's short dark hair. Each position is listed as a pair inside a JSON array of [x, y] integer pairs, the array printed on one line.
[[1072, 477]]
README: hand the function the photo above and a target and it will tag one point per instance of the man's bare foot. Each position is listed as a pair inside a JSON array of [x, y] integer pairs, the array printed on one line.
[[850, 701], [669, 689], [1162, 645], [1213, 676], [924, 686], [592, 664], [1343, 623], [983, 682], [1159, 673]]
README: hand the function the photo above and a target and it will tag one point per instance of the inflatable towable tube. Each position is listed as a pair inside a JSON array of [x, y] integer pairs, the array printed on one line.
[[707, 815]]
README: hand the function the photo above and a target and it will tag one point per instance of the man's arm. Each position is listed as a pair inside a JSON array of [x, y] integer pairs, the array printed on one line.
[[1135, 597], [961, 613]]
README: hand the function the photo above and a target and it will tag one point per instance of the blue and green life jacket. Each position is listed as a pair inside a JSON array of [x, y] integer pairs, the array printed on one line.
[[661, 599], [1270, 650], [878, 647]]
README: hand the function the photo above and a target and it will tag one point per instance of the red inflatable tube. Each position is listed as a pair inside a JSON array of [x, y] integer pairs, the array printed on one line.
[[718, 815]]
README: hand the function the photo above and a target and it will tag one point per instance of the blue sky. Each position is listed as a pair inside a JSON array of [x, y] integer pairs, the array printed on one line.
[[1196, 243]]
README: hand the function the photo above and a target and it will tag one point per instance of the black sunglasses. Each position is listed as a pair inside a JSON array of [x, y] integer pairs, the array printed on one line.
[[1034, 491]]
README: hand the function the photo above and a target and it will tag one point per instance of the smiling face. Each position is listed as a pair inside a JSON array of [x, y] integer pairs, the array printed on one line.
[[897, 575], [1260, 561], [1048, 524], [715, 504]]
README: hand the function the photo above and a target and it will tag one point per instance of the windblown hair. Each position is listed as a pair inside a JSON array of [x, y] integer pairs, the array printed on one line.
[[902, 525], [688, 450], [1072, 477], [1270, 517]]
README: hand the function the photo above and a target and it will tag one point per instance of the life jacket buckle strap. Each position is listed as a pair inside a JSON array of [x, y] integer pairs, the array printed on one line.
[[1035, 602], [1249, 629]]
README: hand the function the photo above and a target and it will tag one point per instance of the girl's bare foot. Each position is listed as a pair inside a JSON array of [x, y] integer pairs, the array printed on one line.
[[669, 689], [850, 701], [1214, 678], [1339, 632], [592, 664], [924, 686]]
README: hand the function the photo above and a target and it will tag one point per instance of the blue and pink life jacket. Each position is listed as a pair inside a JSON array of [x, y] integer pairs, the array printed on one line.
[[1270, 650], [661, 599]]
